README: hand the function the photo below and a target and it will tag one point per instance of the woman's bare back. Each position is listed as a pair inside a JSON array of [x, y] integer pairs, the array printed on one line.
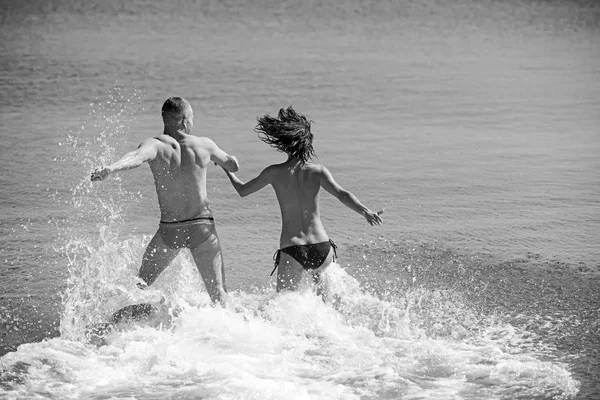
[[297, 188]]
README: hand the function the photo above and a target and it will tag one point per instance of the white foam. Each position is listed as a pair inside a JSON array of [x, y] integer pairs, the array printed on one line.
[[291, 345]]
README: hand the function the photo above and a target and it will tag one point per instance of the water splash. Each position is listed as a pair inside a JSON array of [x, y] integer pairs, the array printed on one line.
[[291, 345], [89, 251]]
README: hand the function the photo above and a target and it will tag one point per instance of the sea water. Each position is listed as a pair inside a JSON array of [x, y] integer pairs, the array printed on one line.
[[474, 124]]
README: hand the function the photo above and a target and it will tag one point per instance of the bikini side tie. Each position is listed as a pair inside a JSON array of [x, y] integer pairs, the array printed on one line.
[[276, 259], [334, 249]]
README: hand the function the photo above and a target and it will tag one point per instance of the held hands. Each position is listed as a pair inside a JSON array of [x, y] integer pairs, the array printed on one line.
[[230, 158], [100, 174], [236, 162], [231, 168], [373, 218], [235, 159]]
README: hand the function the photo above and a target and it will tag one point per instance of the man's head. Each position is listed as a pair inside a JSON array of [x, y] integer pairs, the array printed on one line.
[[177, 114], [289, 133]]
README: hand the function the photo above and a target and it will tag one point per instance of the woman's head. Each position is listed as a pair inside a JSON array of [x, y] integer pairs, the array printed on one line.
[[289, 133]]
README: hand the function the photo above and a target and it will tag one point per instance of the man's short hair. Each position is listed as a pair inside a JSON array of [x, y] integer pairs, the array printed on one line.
[[173, 108]]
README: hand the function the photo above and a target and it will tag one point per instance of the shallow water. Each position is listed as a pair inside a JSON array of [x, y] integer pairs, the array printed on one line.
[[474, 124]]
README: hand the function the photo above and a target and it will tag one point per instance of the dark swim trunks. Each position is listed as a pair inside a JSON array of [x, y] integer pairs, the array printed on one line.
[[189, 233], [310, 256]]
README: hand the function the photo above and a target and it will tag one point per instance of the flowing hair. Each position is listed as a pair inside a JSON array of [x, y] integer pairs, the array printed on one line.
[[289, 133]]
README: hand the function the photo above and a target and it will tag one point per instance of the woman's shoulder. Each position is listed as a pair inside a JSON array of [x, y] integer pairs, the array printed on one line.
[[313, 167]]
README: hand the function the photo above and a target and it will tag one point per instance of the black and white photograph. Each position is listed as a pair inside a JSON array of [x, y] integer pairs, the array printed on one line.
[[300, 199]]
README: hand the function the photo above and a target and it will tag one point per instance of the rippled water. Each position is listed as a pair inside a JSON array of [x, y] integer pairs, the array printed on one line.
[[474, 124]]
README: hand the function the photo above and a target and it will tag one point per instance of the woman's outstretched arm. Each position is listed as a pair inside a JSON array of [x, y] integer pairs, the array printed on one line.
[[348, 199], [254, 185]]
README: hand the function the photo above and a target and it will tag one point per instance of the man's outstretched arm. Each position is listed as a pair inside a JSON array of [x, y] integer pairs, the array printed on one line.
[[146, 152], [348, 199]]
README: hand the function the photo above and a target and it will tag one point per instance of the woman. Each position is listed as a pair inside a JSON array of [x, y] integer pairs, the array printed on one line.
[[304, 244]]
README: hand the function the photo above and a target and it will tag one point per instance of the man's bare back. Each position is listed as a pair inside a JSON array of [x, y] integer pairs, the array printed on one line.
[[179, 172], [179, 163]]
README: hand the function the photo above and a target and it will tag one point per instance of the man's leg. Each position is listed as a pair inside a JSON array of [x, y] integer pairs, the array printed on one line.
[[209, 261], [156, 258]]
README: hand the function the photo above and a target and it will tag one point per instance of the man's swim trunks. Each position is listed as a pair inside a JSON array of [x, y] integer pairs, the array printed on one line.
[[189, 233], [310, 256]]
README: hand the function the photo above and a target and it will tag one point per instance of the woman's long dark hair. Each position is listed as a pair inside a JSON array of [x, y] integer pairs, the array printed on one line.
[[289, 133]]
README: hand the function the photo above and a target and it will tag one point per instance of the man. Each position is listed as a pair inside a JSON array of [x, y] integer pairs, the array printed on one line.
[[304, 246], [179, 162]]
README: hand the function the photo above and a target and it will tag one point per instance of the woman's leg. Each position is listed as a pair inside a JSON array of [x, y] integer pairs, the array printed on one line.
[[289, 273], [320, 278]]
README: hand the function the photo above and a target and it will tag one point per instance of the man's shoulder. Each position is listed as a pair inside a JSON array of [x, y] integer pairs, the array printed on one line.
[[201, 141], [160, 139], [156, 140]]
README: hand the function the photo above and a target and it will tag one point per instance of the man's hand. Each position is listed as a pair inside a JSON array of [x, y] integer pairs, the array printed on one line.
[[374, 218], [236, 163], [100, 174], [234, 158]]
